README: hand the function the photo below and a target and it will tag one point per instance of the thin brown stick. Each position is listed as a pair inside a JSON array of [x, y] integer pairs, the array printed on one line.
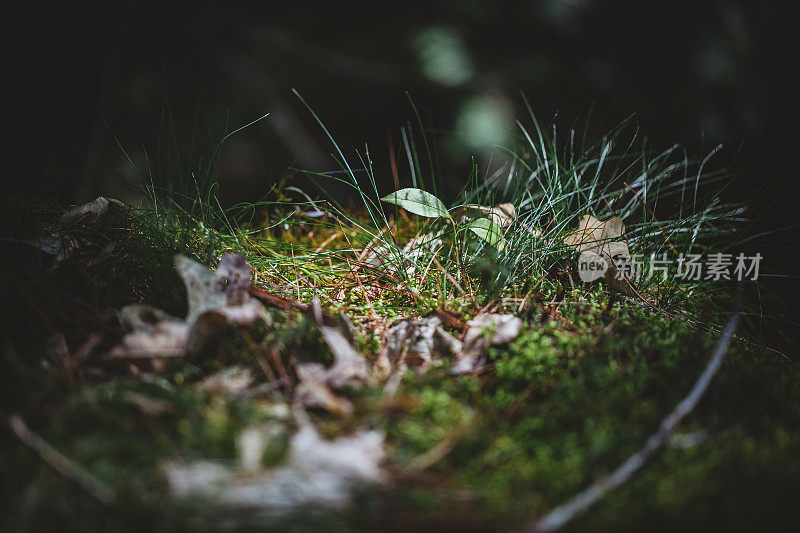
[[581, 502], [274, 300], [455, 283], [61, 463], [327, 241]]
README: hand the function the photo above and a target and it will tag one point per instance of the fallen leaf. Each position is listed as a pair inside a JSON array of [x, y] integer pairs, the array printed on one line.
[[598, 236], [349, 367], [60, 239], [223, 290], [595, 238], [57, 245], [152, 333], [484, 331], [94, 210], [313, 391], [311, 212], [149, 405], [414, 250], [215, 299], [317, 472], [252, 443], [416, 343], [232, 380]]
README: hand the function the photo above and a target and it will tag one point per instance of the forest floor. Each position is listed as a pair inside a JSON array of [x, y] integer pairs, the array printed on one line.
[[330, 395]]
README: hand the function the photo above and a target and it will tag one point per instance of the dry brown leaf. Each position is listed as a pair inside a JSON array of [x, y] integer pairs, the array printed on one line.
[[232, 380], [223, 290], [149, 405], [313, 391], [602, 241], [59, 241], [599, 236], [484, 331], [215, 300], [94, 209], [349, 367], [152, 333], [317, 472], [416, 343]]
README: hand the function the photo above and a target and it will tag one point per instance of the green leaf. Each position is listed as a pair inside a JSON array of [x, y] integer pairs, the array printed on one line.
[[418, 202], [488, 231]]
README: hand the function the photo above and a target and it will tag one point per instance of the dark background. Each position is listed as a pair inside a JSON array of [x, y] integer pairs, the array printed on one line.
[[83, 79], [700, 73]]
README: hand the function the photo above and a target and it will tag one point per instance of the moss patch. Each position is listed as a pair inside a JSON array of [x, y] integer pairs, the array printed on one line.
[[564, 403]]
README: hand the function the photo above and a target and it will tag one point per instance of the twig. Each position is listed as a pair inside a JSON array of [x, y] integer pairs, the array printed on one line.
[[364, 292], [327, 241], [61, 463], [452, 320], [562, 514], [274, 300], [435, 454], [455, 283]]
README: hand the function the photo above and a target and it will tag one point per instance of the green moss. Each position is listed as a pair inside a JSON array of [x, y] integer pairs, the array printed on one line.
[[563, 404], [437, 416], [560, 408]]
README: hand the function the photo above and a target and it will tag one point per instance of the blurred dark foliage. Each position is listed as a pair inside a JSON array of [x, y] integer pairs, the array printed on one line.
[[701, 73]]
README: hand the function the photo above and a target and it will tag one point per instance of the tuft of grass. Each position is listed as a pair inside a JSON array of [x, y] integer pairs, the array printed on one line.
[[377, 259], [671, 204]]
